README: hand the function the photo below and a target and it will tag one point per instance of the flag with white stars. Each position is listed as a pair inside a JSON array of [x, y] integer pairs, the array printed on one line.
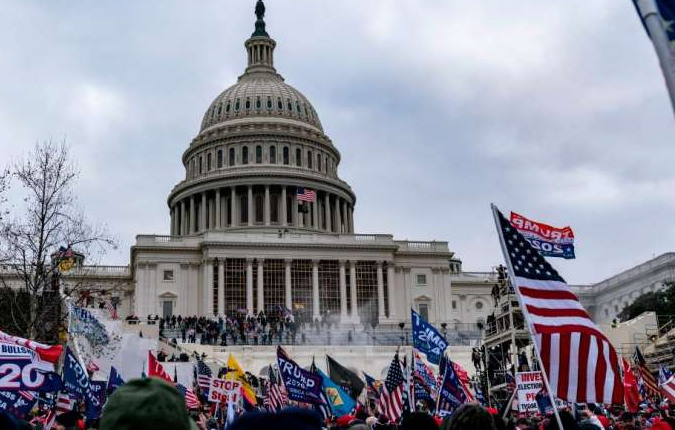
[[580, 362]]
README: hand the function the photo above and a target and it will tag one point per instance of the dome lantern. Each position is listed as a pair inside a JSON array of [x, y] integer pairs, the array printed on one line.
[[260, 47]]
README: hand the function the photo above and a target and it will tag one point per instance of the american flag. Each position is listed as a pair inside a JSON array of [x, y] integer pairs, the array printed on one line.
[[28, 395], [463, 376], [112, 309], [64, 403], [580, 362], [204, 376], [651, 387], [668, 389], [510, 381], [305, 195], [275, 399], [190, 397], [391, 398]]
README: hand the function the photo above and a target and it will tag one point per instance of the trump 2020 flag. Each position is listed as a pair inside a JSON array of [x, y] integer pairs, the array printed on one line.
[[548, 241], [75, 378], [340, 402], [28, 365], [427, 339], [301, 385], [579, 361], [95, 399]]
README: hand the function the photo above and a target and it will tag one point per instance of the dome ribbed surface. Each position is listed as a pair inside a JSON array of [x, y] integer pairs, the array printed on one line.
[[263, 95]]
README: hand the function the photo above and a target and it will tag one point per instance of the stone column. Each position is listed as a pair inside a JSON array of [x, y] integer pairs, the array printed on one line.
[[193, 221], [221, 287], [183, 220], [202, 214], [316, 310], [352, 287], [261, 285], [207, 289], [338, 216], [328, 214], [345, 216], [234, 207], [351, 219], [315, 214], [268, 214], [391, 290], [249, 286], [380, 292], [218, 215], [284, 208], [294, 216], [343, 292], [250, 205], [172, 228], [289, 293]]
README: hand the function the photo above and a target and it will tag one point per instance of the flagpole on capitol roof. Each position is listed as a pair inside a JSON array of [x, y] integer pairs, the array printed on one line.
[[652, 20], [529, 329]]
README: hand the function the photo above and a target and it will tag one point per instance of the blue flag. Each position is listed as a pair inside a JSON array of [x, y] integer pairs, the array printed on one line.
[[664, 374], [543, 402], [84, 323], [427, 339], [340, 402], [301, 385], [18, 403], [114, 380], [95, 399], [451, 394], [75, 378]]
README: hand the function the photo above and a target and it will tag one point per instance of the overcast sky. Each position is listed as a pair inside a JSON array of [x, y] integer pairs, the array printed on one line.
[[552, 108]]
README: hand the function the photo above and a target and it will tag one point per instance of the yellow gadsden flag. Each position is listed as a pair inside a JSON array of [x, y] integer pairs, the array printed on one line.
[[235, 371]]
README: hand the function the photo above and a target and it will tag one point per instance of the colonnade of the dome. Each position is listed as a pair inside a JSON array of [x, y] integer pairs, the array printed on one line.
[[262, 206]]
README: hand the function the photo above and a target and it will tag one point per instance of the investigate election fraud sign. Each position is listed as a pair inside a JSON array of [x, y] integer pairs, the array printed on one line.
[[224, 391], [529, 384]]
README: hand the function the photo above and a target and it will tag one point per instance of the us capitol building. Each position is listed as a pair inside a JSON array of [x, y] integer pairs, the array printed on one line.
[[242, 241]]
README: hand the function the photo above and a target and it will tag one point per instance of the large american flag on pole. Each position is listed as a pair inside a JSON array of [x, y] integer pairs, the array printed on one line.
[[305, 195], [391, 397], [580, 362], [650, 385], [204, 375]]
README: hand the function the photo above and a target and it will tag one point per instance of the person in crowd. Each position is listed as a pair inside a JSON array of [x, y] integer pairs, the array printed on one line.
[[469, 416]]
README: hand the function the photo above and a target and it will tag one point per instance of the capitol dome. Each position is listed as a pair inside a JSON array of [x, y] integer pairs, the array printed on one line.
[[261, 95], [261, 159]]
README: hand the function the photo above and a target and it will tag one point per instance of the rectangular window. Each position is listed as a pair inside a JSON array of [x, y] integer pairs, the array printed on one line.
[[454, 304], [201, 165], [168, 276], [309, 159], [298, 157], [232, 155], [423, 309], [285, 155], [208, 162], [220, 158], [421, 279]]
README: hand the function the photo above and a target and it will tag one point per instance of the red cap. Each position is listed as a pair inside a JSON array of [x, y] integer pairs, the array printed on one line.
[[344, 420]]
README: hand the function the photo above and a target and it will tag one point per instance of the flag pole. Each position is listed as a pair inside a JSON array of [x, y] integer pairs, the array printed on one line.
[[529, 329], [652, 21]]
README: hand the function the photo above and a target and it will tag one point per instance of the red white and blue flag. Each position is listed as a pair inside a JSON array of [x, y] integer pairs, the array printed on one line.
[[581, 364], [391, 397], [305, 195], [548, 241]]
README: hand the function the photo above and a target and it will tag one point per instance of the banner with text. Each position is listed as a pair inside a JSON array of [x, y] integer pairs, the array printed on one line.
[[549, 241], [530, 385], [301, 385], [224, 391], [27, 365]]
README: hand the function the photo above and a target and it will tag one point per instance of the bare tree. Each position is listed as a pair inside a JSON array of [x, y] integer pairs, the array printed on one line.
[[48, 219]]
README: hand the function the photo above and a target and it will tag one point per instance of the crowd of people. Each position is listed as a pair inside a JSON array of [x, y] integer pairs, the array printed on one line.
[[148, 404]]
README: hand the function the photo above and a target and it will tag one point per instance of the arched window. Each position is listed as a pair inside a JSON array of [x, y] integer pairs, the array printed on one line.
[[236, 105], [298, 157], [309, 159], [318, 162], [297, 107], [219, 158], [201, 164], [227, 108], [208, 162], [220, 109], [258, 154], [232, 157], [273, 154], [258, 103], [248, 104], [280, 105], [326, 164], [269, 103], [244, 155], [286, 156], [290, 106]]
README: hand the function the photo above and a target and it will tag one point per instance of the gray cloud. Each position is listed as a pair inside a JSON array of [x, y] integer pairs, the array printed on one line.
[[556, 110]]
